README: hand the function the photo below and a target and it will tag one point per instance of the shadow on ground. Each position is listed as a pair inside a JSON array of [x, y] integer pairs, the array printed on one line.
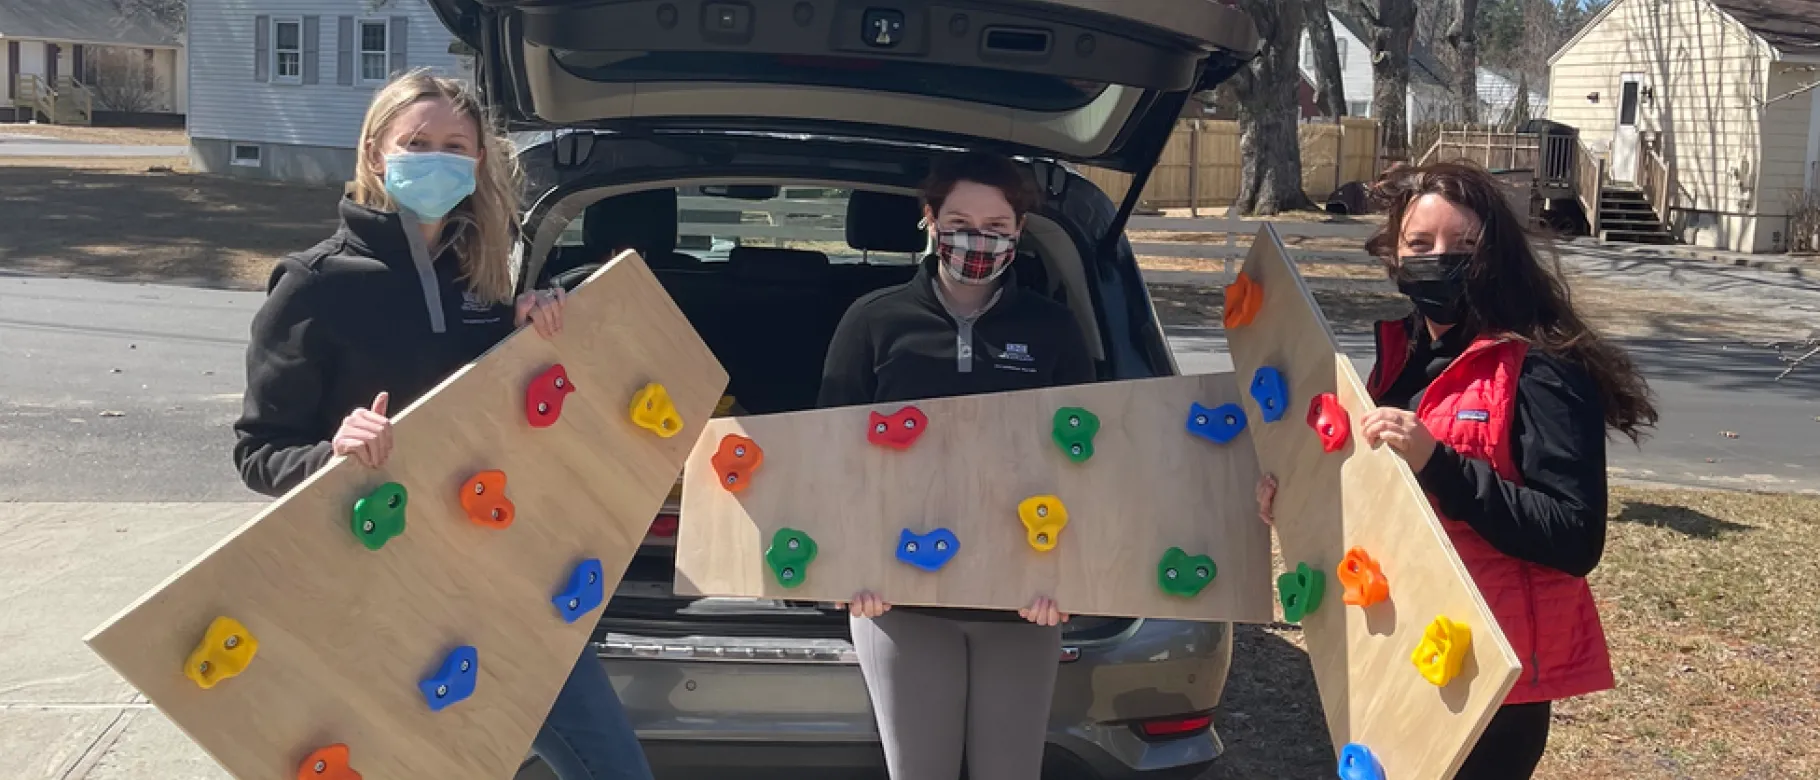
[[1270, 715], [1680, 519]]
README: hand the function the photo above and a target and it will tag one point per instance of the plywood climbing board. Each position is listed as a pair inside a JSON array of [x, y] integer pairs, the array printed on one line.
[[418, 620], [1330, 504], [988, 501]]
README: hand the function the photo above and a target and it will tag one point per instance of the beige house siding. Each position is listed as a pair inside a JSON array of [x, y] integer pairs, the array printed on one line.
[[1785, 136], [1707, 73]]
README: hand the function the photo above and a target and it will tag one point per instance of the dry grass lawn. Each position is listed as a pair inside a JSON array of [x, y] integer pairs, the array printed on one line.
[[129, 136]]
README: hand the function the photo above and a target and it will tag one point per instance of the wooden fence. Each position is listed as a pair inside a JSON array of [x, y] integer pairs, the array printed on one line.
[[1200, 166]]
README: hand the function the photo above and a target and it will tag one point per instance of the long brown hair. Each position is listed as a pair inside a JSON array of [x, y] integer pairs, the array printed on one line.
[[1510, 290]]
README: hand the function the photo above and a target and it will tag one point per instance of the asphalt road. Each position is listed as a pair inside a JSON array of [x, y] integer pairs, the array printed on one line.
[[121, 392]]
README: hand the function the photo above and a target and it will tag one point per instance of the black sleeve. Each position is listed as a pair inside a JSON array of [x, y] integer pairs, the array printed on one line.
[[1074, 363], [848, 377], [279, 440], [1557, 517]]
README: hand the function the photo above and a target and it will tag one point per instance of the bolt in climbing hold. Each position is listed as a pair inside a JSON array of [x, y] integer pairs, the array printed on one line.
[[483, 498], [897, 430], [1244, 298], [735, 461], [379, 516], [225, 650], [1220, 424], [1442, 651], [1363, 581], [327, 763], [454, 681], [1044, 517], [1073, 431], [1358, 763], [585, 591], [1329, 421], [1271, 392], [653, 411], [789, 556], [1181, 574], [930, 551], [544, 396], [1300, 591]]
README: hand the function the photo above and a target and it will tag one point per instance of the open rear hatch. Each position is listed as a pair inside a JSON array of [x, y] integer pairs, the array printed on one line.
[[1097, 82]]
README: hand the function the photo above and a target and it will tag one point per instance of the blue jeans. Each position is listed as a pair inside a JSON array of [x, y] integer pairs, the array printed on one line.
[[587, 735]]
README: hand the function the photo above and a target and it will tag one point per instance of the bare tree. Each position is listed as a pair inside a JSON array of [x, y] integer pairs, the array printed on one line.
[[1329, 90], [1463, 36], [170, 13], [1392, 25], [1270, 149]]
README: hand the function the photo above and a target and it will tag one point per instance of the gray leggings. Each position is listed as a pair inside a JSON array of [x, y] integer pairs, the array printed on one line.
[[939, 685]]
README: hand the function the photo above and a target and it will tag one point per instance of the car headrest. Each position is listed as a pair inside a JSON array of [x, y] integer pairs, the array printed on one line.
[[885, 222], [645, 221], [773, 264]]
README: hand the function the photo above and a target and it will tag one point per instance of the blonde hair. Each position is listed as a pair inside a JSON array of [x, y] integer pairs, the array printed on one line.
[[485, 223]]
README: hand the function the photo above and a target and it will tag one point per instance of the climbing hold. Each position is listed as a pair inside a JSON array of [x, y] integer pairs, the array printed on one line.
[[1244, 298], [929, 551], [1073, 431], [1219, 424], [653, 411], [455, 680], [1329, 421], [1271, 392], [1358, 763], [380, 516], [225, 650], [543, 399], [327, 763], [1442, 651], [1043, 518], [483, 497], [1181, 574], [1300, 591], [789, 556], [735, 461], [1362, 580], [586, 588], [897, 430]]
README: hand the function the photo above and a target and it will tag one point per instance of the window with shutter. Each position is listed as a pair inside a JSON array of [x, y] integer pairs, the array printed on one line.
[[287, 51], [375, 50]]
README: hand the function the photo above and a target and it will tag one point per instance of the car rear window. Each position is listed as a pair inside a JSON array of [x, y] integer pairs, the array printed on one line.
[[710, 226]]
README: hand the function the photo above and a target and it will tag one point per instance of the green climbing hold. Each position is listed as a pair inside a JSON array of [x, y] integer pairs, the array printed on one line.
[[789, 556], [1074, 431], [380, 516], [1300, 591], [1181, 574]]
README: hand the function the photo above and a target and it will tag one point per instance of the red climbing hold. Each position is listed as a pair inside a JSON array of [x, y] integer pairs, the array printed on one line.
[[898, 430], [1328, 419], [543, 399]]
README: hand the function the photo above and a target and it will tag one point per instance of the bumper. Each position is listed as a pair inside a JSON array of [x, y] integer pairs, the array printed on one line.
[[708, 706]]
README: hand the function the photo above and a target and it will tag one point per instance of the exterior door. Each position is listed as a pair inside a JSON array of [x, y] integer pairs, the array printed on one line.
[[1623, 166]]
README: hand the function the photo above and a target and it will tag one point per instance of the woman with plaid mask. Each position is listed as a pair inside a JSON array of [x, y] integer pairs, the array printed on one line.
[[949, 682]]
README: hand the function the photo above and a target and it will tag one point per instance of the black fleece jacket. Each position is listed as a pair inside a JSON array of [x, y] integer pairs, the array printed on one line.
[[362, 312]]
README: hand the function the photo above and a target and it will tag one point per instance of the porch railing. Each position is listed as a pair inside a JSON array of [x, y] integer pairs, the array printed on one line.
[[1589, 177], [1652, 177]]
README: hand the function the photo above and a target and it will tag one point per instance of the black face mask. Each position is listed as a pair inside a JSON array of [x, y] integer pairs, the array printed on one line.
[[1436, 284]]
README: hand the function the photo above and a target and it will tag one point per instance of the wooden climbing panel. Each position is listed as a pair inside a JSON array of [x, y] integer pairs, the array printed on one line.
[[426, 633]]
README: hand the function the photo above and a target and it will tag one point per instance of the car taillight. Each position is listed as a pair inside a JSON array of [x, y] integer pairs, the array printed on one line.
[[664, 526], [1175, 726]]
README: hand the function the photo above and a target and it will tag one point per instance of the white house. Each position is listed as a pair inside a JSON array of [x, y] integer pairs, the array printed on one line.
[[1429, 90], [121, 63], [281, 86]]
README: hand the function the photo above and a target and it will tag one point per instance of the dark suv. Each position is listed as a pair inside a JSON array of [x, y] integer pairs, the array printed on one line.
[[763, 157]]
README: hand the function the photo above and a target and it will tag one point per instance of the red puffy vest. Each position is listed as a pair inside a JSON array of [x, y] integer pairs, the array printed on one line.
[[1548, 615]]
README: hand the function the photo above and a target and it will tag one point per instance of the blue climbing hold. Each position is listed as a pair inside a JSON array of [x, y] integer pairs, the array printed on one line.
[[1271, 393], [928, 551], [1219, 424], [455, 680], [1357, 763], [586, 587]]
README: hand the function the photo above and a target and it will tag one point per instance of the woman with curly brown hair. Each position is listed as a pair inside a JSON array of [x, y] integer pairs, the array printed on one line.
[[1499, 396]]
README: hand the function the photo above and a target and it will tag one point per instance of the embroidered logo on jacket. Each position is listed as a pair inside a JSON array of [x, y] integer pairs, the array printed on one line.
[[1474, 415], [1017, 352]]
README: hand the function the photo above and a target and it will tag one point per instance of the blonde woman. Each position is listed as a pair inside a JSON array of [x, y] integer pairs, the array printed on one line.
[[416, 282]]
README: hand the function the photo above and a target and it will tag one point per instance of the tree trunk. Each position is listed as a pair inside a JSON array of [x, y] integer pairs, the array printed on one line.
[[1519, 109], [1329, 89], [1392, 26], [1270, 149], [1464, 38]]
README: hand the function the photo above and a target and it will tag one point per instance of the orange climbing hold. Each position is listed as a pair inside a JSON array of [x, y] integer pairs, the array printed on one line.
[[483, 497], [329, 763], [1244, 298], [1362, 580], [735, 461]]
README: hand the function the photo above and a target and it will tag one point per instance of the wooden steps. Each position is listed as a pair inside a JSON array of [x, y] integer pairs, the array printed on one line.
[[1625, 216]]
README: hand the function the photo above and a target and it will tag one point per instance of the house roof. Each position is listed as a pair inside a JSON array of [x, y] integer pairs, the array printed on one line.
[[84, 21], [1792, 26], [1423, 67]]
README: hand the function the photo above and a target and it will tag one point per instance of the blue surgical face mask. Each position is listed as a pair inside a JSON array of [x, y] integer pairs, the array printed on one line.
[[430, 184]]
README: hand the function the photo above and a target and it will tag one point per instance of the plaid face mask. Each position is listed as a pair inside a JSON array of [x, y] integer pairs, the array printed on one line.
[[974, 257]]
